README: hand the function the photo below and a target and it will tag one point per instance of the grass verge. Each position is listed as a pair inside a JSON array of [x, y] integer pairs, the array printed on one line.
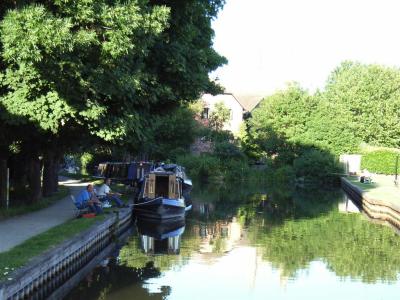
[[63, 191], [21, 254]]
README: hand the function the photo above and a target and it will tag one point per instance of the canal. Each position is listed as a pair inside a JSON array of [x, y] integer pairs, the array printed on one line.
[[244, 242]]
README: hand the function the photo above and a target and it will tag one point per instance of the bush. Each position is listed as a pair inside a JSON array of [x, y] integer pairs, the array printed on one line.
[[86, 160], [381, 161], [284, 175], [235, 170], [201, 167], [315, 165], [227, 150]]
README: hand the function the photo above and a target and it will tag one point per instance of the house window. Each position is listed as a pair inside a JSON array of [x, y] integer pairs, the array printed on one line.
[[204, 114], [231, 114]]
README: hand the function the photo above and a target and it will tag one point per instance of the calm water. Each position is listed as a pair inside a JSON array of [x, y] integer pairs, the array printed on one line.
[[250, 243]]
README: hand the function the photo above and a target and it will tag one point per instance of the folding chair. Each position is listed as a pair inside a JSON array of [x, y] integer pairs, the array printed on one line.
[[77, 209]]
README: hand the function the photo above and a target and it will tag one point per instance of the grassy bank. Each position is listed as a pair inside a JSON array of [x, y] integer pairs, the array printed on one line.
[[21, 254], [63, 191]]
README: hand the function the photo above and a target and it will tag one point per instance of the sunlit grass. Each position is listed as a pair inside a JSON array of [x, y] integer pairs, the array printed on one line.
[[21, 254]]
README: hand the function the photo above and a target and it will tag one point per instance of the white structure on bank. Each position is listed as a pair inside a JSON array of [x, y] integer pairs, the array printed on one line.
[[238, 106], [235, 108]]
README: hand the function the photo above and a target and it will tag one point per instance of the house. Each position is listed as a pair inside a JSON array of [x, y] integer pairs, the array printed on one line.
[[239, 107]]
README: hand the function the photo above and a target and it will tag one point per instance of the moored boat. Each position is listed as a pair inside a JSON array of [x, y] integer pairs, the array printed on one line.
[[164, 194]]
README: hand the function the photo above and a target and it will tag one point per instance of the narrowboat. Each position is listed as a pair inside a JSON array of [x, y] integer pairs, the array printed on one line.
[[164, 193]]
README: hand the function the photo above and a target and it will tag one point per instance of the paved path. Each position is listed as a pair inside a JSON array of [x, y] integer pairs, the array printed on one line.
[[381, 188], [18, 229]]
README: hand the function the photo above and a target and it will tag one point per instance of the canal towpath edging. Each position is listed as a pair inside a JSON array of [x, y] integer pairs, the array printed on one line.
[[52, 274], [384, 209], [16, 230]]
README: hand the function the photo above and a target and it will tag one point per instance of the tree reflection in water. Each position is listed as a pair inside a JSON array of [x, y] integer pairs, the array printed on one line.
[[288, 229], [119, 281]]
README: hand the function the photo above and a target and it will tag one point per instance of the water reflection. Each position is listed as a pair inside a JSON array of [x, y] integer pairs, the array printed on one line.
[[347, 205], [248, 243], [160, 237]]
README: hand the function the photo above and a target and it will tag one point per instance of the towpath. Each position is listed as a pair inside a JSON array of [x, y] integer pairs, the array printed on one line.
[[382, 188], [14, 231]]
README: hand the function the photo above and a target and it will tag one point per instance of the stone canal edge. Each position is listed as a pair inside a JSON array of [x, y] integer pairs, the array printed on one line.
[[54, 273], [378, 210]]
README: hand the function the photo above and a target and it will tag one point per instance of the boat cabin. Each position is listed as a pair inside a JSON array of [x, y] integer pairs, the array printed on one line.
[[162, 184]]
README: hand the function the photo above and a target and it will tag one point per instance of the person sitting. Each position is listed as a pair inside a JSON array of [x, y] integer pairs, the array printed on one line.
[[365, 176], [105, 194], [87, 198]]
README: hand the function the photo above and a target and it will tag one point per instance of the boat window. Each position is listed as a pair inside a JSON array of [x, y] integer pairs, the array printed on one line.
[[162, 186]]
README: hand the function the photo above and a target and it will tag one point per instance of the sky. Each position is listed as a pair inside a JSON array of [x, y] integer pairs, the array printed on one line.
[[269, 43]]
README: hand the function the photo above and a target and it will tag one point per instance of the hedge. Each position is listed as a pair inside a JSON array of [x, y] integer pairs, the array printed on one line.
[[380, 161]]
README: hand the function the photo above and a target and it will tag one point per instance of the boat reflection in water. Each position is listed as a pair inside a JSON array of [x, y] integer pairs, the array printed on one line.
[[347, 205], [160, 237]]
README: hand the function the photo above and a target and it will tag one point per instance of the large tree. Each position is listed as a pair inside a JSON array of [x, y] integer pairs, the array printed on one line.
[[99, 69], [371, 94]]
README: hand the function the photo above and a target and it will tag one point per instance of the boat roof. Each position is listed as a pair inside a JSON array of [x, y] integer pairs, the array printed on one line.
[[162, 173]]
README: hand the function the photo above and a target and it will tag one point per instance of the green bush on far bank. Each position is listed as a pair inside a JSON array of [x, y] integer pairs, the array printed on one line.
[[202, 167], [314, 165]]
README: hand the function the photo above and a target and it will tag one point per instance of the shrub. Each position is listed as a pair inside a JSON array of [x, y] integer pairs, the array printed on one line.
[[85, 160], [381, 161], [201, 167], [284, 175], [314, 165], [235, 170], [227, 150]]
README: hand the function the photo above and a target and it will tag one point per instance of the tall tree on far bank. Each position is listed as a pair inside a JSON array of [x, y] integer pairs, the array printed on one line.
[[371, 94]]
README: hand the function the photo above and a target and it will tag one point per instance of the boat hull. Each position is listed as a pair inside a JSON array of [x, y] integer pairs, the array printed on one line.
[[160, 208]]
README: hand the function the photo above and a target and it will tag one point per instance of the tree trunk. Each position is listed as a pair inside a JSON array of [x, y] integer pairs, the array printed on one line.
[[3, 182], [49, 186], [19, 179], [34, 178]]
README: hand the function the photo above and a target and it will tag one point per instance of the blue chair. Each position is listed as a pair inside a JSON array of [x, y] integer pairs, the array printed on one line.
[[78, 210]]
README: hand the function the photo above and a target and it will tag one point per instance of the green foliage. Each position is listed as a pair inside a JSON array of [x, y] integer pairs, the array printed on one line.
[[202, 167], [85, 160], [284, 175], [335, 239], [280, 119], [227, 150], [330, 128], [219, 116], [78, 74], [371, 94], [359, 104], [234, 170], [381, 161], [171, 134], [316, 165], [99, 65]]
